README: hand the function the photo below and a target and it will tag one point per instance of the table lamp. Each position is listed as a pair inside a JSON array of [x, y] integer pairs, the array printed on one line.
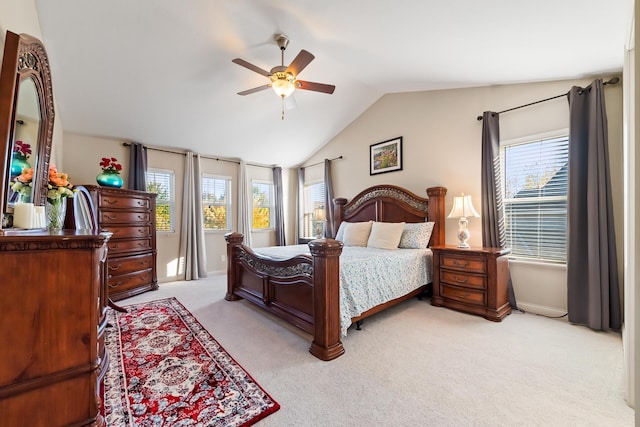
[[462, 207]]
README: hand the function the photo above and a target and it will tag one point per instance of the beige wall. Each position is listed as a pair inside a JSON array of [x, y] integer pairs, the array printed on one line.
[[442, 147]]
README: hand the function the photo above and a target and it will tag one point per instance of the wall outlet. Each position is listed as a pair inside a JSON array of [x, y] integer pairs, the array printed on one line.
[[223, 258]]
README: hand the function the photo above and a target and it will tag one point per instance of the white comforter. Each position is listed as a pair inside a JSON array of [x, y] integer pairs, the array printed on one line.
[[369, 276]]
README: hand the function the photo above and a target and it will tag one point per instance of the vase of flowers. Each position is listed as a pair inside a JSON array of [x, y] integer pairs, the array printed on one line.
[[21, 186], [110, 176], [19, 158], [58, 189]]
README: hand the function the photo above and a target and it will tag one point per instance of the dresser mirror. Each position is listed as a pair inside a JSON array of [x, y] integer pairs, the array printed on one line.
[[26, 121]]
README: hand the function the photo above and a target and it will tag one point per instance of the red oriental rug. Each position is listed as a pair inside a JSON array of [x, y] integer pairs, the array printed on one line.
[[167, 370]]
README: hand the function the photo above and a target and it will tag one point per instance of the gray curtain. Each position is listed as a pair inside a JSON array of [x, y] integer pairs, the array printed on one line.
[[592, 269], [329, 229], [192, 246], [137, 167], [245, 205], [492, 213], [279, 206], [299, 207]]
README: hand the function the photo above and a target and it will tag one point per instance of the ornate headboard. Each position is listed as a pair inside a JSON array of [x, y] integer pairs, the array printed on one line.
[[390, 203]]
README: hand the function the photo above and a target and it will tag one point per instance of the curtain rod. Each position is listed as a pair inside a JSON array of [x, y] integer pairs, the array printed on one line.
[[204, 156], [319, 163], [611, 81]]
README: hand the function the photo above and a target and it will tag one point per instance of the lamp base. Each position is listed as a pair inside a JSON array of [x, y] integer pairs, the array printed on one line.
[[463, 233]]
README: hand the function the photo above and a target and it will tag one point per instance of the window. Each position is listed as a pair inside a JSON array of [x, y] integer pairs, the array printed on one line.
[[535, 198], [313, 210], [162, 182], [216, 202], [262, 204]]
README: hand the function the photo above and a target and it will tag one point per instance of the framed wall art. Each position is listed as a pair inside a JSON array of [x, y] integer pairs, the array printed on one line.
[[385, 156]]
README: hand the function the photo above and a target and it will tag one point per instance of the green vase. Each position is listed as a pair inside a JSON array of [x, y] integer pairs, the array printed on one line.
[[106, 179], [18, 163]]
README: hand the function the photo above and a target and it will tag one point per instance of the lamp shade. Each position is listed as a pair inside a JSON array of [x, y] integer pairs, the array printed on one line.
[[462, 207], [283, 87], [319, 215]]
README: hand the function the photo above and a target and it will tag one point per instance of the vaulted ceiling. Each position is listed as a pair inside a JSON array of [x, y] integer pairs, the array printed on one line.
[[159, 72]]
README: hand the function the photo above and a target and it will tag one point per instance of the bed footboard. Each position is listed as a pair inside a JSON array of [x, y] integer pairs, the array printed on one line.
[[303, 290]]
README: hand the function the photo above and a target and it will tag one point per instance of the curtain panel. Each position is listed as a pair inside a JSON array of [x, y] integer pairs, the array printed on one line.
[[137, 167], [329, 229], [592, 269], [279, 206], [192, 246]]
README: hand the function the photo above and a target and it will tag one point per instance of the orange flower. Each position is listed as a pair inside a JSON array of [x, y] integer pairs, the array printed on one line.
[[26, 176]]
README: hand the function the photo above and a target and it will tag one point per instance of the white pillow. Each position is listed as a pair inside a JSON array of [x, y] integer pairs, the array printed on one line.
[[416, 235], [357, 233], [340, 232], [385, 235]]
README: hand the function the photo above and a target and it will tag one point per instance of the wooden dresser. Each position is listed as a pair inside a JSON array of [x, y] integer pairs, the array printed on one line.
[[130, 216], [52, 319], [472, 280]]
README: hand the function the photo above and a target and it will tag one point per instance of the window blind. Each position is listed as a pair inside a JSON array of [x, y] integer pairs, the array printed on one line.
[[162, 182], [535, 198], [216, 202]]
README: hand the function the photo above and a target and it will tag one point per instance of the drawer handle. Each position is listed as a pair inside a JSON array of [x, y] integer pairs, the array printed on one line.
[[460, 264], [145, 262], [115, 268], [110, 217], [142, 245], [140, 202], [111, 202], [115, 285], [459, 280], [113, 246], [141, 217], [462, 294]]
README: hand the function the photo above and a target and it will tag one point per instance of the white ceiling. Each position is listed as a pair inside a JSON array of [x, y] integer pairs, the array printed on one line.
[[159, 72]]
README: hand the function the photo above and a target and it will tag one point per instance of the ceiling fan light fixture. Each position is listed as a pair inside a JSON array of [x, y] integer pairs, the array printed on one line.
[[283, 87]]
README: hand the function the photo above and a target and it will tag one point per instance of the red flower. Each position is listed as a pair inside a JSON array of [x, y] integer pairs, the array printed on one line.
[[110, 165], [22, 148]]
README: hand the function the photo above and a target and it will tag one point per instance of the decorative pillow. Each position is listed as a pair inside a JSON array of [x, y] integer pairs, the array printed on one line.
[[416, 235], [385, 235], [357, 233], [340, 232]]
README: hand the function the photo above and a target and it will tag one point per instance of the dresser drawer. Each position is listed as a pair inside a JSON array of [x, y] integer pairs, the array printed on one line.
[[463, 279], [118, 284], [124, 265], [123, 217], [123, 201], [128, 246], [128, 232], [463, 295], [476, 265]]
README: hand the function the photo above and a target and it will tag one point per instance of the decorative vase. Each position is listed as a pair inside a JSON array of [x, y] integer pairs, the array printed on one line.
[[107, 179], [55, 213], [18, 163]]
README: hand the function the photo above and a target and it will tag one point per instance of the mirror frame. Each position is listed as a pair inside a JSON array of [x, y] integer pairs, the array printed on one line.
[[25, 57]]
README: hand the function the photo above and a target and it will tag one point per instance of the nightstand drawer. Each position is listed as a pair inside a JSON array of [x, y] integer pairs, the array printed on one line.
[[463, 295], [475, 265], [463, 279]]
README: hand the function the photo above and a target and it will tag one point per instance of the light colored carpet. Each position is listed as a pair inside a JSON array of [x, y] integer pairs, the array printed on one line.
[[416, 364]]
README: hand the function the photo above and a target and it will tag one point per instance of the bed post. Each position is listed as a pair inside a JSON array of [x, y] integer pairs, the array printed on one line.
[[326, 343], [338, 211], [436, 214], [233, 239]]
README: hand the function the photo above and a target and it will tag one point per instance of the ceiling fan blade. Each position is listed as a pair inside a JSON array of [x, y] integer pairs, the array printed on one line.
[[302, 60], [317, 87], [250, 66], [254, 90]]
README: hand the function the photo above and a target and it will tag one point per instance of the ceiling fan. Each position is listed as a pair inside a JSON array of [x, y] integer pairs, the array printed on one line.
[[284, 79]]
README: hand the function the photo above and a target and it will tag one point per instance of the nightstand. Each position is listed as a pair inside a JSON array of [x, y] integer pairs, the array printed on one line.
[[472, 280]]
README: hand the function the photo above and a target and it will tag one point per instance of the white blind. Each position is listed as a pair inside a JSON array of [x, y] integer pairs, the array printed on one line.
[[216, 202], [314, 194], [535, 198], [262, 204], [162, 182]]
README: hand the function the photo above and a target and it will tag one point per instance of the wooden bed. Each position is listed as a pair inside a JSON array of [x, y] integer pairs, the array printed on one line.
[[305, 290]]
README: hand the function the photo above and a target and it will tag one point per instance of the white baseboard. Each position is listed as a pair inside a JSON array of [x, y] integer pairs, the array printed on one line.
[[541, 309]]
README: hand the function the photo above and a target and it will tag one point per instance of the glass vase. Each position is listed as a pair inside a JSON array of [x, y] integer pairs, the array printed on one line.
[[56, 211], [106, 179]]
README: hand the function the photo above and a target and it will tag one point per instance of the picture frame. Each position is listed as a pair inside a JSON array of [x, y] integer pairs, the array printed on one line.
[[385, 156]]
